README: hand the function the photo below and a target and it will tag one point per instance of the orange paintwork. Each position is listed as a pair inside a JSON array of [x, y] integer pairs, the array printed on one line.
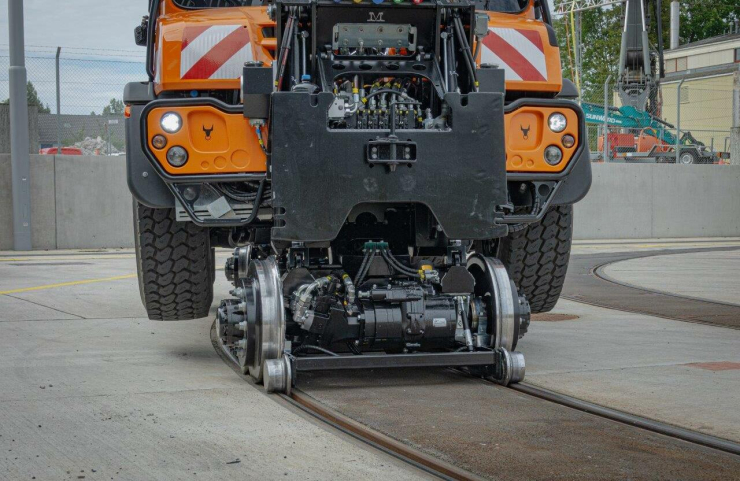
[[527, 136], [217, 142], [171, 25], [172, 21], [648, 138], [526, 21]]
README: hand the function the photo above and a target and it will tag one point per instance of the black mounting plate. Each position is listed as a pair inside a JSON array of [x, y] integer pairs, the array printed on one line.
[[319, 175]]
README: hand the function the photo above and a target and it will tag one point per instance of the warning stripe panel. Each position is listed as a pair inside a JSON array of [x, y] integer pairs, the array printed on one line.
[[214, 52], [519, 52]]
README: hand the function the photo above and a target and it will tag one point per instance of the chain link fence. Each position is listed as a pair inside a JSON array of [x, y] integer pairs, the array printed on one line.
[[87, 115], [686, 118], [692, 117], [89, 118]]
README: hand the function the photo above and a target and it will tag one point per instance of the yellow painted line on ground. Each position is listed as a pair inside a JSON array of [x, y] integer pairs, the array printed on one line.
[[65, 284], [67, 258]]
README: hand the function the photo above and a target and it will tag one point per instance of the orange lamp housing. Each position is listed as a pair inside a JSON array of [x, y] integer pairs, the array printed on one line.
[[216, 142], [528, 134]]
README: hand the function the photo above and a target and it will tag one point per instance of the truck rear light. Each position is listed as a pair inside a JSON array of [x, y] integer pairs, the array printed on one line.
[[553, 155], [177, 156], [159, 141], [568, 141], [557, 122], [171, 122]]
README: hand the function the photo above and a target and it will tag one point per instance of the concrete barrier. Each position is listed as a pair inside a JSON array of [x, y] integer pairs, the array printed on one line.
[[43, 203], [93, 203], [83, 202], [77, 202], [660, 201]]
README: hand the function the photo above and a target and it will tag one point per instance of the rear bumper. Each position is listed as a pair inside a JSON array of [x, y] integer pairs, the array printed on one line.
[[447, 183]]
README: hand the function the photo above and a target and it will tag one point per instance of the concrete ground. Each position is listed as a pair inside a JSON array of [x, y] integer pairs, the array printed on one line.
[[678, 372], [90, 389], [87, 383], [712, 276]]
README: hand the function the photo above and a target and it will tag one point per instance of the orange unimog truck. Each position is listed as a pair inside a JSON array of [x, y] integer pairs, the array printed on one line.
[[396, 178]]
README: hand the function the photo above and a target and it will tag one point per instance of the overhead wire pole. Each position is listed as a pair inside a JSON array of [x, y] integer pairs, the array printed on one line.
[[59, 105], [20, 159]]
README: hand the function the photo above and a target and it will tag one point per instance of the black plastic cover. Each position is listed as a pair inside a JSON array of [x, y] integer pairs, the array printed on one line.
[[257, 85], [319, 175], [138, 93], [490, 79], [145, 185]]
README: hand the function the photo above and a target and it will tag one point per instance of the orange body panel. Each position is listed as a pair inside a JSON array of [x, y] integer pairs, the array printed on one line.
[[217, 142], [548, 60], [172, 37], [173, 21], [528, 135]]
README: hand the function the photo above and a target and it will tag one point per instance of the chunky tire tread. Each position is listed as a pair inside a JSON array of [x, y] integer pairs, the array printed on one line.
[[537, 256], [174, 263]]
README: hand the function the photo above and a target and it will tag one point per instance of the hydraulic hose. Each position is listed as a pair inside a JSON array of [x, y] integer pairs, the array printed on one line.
[[362, 268], [362, 273], [285, 46], [306, 297], [465, 47], [257, 202], [306, 347], [396, 264]]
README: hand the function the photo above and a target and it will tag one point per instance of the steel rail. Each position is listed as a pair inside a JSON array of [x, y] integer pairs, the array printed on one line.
[[630, 419], [356, 430], [377, 440]]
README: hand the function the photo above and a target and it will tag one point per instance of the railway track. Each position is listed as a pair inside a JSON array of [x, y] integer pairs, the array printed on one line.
[[565, 433], [453, 426]]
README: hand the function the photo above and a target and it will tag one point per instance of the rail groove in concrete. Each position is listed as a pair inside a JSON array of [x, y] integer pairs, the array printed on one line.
[[585, 283]]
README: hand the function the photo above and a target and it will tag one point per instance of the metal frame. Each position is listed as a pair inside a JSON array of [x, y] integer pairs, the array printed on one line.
[[382, 361]]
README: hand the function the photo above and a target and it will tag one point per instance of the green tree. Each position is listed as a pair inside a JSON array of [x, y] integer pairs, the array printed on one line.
[[33, 99], [700, 19], [601, 34], [602, 31], [115, 107]]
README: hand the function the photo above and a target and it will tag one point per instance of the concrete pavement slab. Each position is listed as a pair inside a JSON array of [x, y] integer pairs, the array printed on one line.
[[129, 398], [639, 364], [713, 276]]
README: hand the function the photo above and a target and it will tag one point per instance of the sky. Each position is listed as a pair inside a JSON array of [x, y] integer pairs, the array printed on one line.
[[78, 23], [98, 52]]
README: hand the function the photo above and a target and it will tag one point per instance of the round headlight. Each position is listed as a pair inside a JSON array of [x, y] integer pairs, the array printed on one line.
[[177, 156], [553, 155], [171, 122], [568, 141], [159, 141], [557, 122]]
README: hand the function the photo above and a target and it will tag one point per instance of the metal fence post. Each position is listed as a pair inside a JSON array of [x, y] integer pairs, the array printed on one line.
[[735, 130], [59, 105], [20, 160], [678, 120], [606, 118]]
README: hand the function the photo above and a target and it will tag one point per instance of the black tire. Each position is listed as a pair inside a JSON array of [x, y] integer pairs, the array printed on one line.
[[174, 265], [537, 256], [213, 265], [688, 157]]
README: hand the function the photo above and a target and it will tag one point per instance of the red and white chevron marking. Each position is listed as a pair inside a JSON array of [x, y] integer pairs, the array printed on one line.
[[519, 52], [214, 52]]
